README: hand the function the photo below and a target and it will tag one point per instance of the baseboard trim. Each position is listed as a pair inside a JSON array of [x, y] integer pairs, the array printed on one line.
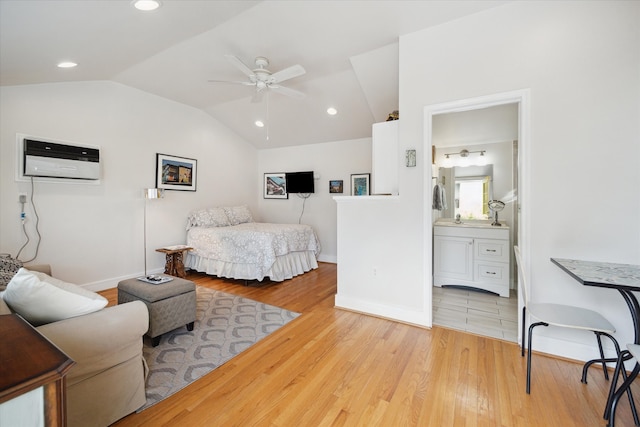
[[398, 314]]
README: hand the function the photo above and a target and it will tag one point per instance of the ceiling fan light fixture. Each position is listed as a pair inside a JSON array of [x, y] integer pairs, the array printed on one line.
[[146, 5], [332, 111]]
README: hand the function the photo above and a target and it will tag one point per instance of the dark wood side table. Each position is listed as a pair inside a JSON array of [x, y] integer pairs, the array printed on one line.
[[29, 361], [174, 264]]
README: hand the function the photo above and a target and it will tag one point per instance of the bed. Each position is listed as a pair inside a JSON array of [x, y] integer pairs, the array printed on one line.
[[227, 243]]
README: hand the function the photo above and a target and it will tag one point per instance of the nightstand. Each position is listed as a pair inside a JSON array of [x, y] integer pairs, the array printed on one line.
[[174, 264]]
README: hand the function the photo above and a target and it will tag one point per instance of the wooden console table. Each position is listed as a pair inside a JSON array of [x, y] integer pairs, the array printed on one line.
[[29, 361], [174, 265]]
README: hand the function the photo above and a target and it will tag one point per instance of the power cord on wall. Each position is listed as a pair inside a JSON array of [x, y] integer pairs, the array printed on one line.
[[23, 217], [303, 196]]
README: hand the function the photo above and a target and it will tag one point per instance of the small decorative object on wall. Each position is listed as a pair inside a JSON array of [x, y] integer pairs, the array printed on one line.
[[335, 186], [411, 158], [176, 173], [275, 186], [360, 184]]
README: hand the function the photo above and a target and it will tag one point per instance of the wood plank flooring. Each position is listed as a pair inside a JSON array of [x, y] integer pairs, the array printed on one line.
[[331, 367]]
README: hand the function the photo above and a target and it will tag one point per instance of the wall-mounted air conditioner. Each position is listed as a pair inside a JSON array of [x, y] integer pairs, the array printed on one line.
[[57, 160]]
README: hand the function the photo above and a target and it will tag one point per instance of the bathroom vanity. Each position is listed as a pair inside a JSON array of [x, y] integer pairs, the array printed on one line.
[[473, 254]]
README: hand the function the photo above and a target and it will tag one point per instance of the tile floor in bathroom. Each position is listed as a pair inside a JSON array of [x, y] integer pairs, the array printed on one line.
[[476, 312]]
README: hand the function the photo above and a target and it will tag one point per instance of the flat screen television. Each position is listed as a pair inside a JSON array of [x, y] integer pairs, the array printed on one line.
[[300, 182]]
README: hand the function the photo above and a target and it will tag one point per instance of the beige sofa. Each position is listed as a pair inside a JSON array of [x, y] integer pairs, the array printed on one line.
[[108, 380]]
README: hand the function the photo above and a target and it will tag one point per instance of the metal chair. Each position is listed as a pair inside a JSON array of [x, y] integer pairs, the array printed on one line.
[[564, 316], [633, 350]]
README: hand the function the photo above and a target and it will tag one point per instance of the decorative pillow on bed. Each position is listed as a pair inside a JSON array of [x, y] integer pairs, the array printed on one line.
[[40, 298], [239, 214], [218, 217], [212, 217]]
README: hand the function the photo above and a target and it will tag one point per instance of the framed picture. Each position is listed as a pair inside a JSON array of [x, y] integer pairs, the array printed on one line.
[[176, 173], [360, 184], [275, 186], [335, 186]]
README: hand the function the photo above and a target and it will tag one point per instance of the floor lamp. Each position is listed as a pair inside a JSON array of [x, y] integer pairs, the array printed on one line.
[[149, 193]]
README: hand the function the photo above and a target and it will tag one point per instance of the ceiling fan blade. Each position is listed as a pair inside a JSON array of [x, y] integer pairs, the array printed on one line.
[[232, 82], [286, 74], [239, 64], [287, 91]]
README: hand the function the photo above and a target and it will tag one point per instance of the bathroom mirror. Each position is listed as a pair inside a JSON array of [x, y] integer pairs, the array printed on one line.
[[468, 190]]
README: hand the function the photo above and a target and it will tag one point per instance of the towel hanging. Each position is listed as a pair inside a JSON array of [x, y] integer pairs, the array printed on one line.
[[439, 198]]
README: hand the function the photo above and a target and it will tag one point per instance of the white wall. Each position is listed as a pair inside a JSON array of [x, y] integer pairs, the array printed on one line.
[[581, 61], [93, 234], [332, 161]]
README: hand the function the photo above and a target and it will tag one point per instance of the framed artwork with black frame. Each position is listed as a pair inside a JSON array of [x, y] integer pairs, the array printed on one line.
[[360, 184], [275, 186], [335, 186], [176, 173]]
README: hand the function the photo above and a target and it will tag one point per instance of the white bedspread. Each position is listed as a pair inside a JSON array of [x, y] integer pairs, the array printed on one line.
[[250, 249]]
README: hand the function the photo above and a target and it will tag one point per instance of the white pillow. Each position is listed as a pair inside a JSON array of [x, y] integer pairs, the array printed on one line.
[[40, 298], [218, 217], [199, 218], [212, 217], [238, 214]]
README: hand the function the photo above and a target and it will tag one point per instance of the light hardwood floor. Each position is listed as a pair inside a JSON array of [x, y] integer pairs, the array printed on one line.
[[331, 367]]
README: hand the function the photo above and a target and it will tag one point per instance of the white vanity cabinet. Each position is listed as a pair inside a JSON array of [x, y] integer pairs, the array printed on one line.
[[477, 257]]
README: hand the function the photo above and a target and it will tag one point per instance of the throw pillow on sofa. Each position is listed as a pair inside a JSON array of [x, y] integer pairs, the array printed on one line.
[[41, 299], [8, 268]]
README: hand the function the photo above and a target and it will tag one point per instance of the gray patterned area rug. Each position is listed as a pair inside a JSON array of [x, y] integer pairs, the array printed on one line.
[[225, 326]]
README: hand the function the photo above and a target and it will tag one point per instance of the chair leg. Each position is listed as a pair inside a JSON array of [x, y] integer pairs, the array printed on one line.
[[614, 384], [524, 312], [622, 357], [625, 387], [533, 325], [604, 364], [602, 359]]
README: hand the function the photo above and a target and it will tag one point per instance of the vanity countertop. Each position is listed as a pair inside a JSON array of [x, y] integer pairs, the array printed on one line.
[[477, 223]]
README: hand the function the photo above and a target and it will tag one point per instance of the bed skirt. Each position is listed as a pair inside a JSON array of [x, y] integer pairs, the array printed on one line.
[[285, 267]]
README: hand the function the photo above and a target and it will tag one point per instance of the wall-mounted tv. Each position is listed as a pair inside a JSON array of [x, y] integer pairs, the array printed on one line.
[[300, 182]]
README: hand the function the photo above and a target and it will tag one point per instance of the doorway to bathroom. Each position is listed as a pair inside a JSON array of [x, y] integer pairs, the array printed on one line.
[[475, 160]]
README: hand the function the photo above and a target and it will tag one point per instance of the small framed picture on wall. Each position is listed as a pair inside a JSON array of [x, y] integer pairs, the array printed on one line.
[[335, 186], [360, 184], [275, 186]]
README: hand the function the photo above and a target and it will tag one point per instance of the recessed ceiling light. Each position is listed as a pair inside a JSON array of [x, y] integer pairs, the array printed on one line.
[[332, 111], [67, 64], [259, 123], [146, 5]]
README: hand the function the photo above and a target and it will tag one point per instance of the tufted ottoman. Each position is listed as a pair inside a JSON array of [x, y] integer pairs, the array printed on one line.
[[171, 304]]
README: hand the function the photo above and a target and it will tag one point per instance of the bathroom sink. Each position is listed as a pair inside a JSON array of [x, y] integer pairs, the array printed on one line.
[[469, 223]]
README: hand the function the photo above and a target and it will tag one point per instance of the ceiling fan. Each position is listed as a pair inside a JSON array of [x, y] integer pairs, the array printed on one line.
[[262, 79]]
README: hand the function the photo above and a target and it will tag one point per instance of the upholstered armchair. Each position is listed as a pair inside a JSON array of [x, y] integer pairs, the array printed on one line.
[[108, 380]]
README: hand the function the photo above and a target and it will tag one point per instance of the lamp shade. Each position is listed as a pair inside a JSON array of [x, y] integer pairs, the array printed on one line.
[[153, 193]]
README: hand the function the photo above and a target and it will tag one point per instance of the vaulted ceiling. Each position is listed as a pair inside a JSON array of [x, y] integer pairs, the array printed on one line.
[[349, 50]]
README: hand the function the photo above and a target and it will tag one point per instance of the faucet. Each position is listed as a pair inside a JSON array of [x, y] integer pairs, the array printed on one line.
[[458, 221]]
